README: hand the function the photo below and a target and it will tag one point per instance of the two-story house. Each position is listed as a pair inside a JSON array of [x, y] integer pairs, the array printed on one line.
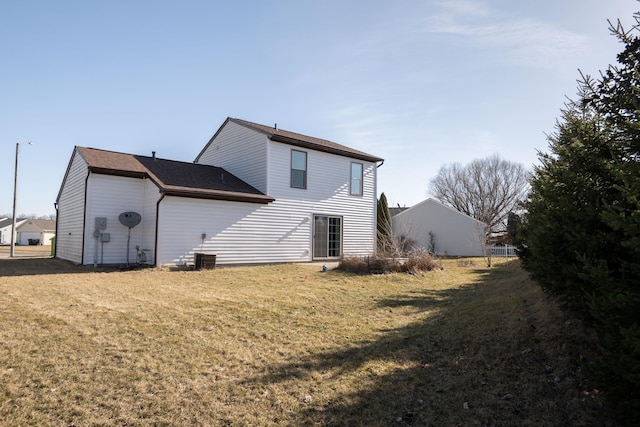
[[254, 194]]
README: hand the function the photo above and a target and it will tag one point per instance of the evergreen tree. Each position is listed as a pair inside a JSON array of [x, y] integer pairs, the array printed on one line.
[[563, 229], [617, 308], [582, 228], [513, 227], [384, 234]]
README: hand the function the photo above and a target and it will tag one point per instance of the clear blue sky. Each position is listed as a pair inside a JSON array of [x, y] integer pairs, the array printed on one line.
[[421, 83]]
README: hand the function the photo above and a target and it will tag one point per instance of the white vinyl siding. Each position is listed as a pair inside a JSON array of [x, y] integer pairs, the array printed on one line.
[[109, 196], [455, 233], [240, 151], [281, 231], [327, 193], [70, 220], [246, 153], [238, 233]]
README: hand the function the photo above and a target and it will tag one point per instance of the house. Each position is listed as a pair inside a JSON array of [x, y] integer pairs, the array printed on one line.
[[434, 226], [35, 232], [395, 211], [254, 194], [5, 229]]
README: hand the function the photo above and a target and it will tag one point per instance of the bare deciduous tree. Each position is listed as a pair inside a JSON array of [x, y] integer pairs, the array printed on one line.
[[485, 189]]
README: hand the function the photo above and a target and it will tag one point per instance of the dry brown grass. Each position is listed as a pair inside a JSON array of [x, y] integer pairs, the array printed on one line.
[[285, 345], [25, 251]]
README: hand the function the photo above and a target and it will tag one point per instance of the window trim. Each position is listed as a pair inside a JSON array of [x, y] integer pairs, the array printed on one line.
[[304, 176], [361, 179]]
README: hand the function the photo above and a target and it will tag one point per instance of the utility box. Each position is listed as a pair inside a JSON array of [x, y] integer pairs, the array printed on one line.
[[105, 237], [101, 223], [205, 261]]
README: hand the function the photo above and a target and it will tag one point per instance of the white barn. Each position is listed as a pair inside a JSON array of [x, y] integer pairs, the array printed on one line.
[[254, 194], [454, 233]]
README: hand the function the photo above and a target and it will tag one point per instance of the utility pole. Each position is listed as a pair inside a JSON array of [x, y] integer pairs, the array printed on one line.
[[15, 196]]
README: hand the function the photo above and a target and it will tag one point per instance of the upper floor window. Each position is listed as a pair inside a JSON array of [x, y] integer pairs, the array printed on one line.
[[298, 169], [356, 179]]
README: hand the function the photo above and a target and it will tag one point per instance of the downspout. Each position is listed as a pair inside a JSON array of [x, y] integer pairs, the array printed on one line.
[[155, 245], [84, 216], [375, 210], [55, 247]]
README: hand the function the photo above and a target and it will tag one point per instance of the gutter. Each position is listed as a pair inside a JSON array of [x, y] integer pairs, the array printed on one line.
[[55, 247]]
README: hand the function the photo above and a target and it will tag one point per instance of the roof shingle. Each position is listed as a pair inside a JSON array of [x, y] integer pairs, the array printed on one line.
[[174, 177], [299, 140], [281, 135]]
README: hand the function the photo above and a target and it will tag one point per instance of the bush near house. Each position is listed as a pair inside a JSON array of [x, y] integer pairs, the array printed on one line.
[[417, 261]]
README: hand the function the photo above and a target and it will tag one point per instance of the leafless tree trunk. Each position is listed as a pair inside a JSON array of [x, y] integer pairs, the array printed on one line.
[[485, 189]]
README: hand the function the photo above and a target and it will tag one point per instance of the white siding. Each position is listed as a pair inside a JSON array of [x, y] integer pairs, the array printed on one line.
[[71, 211], [240, 151], [280, 231], [5, 232], [109, 196], [237, 232], [455, 234], [46, 238], [327, 192]]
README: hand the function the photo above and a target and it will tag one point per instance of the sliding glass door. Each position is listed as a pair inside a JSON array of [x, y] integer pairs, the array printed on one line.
[[327, 236]]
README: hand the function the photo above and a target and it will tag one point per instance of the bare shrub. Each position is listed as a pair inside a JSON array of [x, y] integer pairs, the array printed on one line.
[[358, 265], [416, 261], [420, 261]]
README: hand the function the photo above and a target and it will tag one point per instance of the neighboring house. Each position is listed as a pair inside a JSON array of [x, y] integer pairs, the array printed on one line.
[[5, 229], [452, 233], [254, 194], [395, 211], [36, 231]]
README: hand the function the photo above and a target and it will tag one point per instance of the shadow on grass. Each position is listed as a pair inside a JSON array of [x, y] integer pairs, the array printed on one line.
[[31, 266], [454, 367]]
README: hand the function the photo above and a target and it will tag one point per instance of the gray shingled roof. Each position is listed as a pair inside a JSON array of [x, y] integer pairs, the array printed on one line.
[[44, 224], [8, 221], [299, 140], [174, 178]]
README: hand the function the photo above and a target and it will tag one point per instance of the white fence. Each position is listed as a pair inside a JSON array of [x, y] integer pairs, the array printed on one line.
[[504, 250]]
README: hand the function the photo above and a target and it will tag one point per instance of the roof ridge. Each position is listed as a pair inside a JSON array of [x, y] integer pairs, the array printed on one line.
[[105, 151], [277, 130], [307, 141]]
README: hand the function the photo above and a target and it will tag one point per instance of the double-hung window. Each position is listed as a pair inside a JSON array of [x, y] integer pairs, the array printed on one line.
[[298, 169], [355, 188]]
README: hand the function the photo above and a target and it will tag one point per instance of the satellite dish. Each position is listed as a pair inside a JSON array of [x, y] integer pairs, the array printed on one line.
[[130, 219]]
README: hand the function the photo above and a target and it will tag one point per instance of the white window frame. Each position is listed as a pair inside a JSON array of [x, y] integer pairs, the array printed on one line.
[[356, 182], [304, 171]]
